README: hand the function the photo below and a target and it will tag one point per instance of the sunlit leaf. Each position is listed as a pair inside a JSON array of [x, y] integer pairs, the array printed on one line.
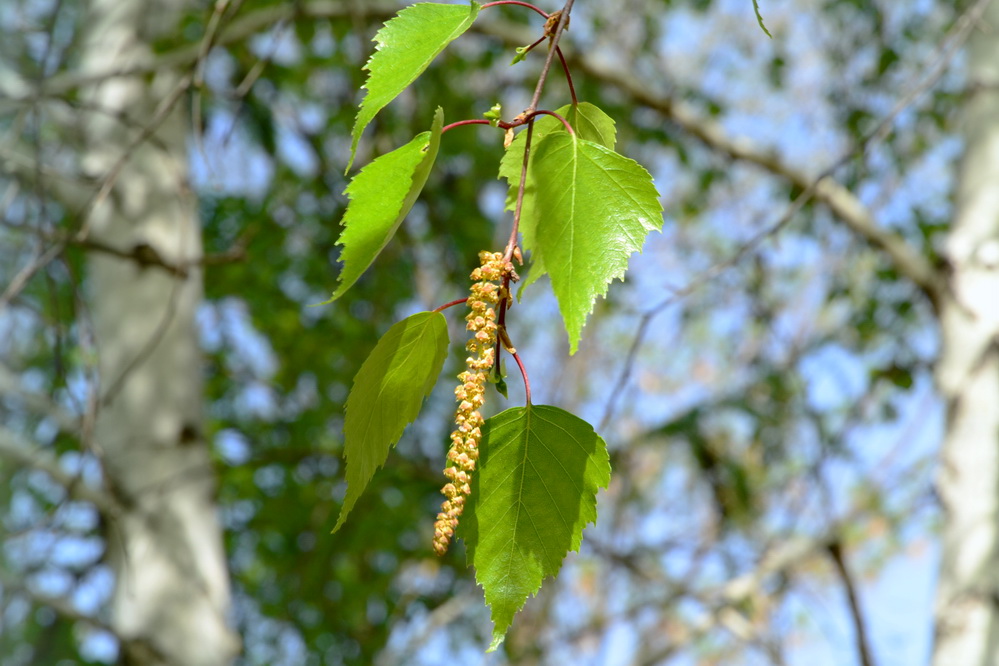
[[590, 123], [535, 490], [381, 196], [594, 209], [404, 48], [387, 394]]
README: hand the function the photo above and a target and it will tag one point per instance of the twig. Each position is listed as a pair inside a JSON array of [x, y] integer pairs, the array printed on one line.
[[462, 123], [514, 2], [835, 550], [451, 304], [562, 20], [523, 373], [17, 450], [568, 76]]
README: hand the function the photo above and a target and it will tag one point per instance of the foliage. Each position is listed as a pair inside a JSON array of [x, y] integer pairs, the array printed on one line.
[[588, 209]]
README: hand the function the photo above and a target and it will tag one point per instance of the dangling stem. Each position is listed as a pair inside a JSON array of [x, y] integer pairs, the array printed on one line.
[[523, 373], [451, 304], [568, 76], [460, 123], [514, 2]]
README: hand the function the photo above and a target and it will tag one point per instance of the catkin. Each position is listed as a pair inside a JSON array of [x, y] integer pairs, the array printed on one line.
[[470, 393]]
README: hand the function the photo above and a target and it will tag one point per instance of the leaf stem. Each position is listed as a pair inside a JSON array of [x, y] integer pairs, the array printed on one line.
[[460, 123], [565, 123], [523, 373], [568, 76], [451, 304], [514, 2]]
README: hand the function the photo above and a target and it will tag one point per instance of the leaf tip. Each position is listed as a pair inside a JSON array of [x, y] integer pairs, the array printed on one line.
[[498, 638]]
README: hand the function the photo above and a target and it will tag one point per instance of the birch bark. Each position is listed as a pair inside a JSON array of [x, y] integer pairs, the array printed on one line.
[[967, 608], [172, 593]]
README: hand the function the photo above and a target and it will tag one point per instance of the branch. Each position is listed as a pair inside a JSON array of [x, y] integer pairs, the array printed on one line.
[[835, 550], [61, 605], [238, 29], [39, 403], [15, 449], [70, 191], [843, 203]]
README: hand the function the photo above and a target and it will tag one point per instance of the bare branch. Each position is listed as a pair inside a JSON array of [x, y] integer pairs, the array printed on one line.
[[835, 550], [11, 385], [17, 450]]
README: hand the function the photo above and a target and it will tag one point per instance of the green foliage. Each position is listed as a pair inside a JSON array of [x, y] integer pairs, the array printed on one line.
[[387, 394], [405, 47], [597, 207], [586, 209], [535, 491], [381, 196]]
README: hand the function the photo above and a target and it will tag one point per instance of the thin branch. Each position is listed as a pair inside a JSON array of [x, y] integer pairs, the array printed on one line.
[[568, 76], [451, 304], [111, 177], [565, 123], [523, 373], [835, 550], [514, 2], [61, 605], [511, 244], [843, 203], [39, 403], [462, 123], [15, 449], [563, 20]]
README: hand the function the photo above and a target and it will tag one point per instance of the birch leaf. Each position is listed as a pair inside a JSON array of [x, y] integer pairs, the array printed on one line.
[[535, 490], [590, 123], [404, 48], [381, 196], [387, 394], [594, 209]]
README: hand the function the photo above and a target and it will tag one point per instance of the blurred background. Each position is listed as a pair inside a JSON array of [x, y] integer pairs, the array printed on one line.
[[171, 185]]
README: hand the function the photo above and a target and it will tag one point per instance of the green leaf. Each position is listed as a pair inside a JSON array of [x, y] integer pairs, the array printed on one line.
[[759, 18], [590, 123], [404, 48], [381, 196], [535, 490], [595, 208], [387, 393]]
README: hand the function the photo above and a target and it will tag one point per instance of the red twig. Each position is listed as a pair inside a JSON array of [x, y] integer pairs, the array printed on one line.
[[523, 373], [511, 244], [562, 20], [460, 123], [568, 76], [514, 2], [452, 303], [565, 123]]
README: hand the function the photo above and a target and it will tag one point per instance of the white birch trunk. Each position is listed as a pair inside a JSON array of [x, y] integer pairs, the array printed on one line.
[[171, 597], [967, 609]]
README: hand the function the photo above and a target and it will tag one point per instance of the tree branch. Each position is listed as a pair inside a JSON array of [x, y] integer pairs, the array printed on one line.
[[39, 403], [17, 450], [835, 550], [843, 203]]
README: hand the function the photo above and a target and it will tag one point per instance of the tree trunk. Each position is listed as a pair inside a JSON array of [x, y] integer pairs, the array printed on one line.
[[967, 609], [172, 593]]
